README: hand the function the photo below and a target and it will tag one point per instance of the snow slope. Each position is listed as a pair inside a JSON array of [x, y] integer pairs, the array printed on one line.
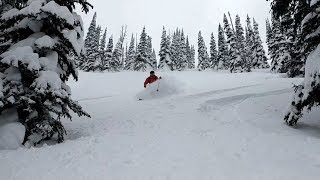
[[216, 126]]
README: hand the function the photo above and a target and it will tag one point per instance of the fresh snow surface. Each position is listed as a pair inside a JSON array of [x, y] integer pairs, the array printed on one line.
[[215, 126]]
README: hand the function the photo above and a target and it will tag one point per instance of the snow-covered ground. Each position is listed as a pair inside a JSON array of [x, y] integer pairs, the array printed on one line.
[[211, 126]]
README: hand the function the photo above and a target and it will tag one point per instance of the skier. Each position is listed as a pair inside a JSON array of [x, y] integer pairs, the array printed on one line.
[[151, 79]]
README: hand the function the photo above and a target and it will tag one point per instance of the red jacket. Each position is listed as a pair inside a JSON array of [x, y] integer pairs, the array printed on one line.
[[150, 79]]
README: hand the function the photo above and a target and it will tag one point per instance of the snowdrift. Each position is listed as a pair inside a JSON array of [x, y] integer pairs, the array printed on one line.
[[11, 135], [162, 88], [11, 131]]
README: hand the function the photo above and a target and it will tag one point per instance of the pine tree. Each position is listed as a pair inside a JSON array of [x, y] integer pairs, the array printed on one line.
[[241, 43], [175, 49], [192, 62], [250, 45], [307, 94], [188, 51], [117, 60], [213, 53], [164, 53], [190, 55], [131, 55], [91, 32], [108, 55], [152, 61], [260, 60], [279, 48], [97, 64], [269, 36], [92, 46], [235, 59], [102, 50], [88, 43], [183, 61], [123, 34], [37, 65], [295, 66], [223, 53], [203, 57], [142, 60]]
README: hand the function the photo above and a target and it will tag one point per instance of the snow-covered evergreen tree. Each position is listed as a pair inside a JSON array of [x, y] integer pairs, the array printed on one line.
[[213, 53], [241, 43], [223, 53], [91, 32], [92, 46], [260, 60], [203, 57], [183, 61], [295, 66], [153, 59], [279, 47], [130, 55], [290, 14], [269, 36], [235, 59], [192, 61], [88, 43], [165, 62], [190, 55], [102, 50], [38, 63], [175, 49], [250, 41], [117, 61], [97, 64], [108, 55], [307, 94], [142, 59]]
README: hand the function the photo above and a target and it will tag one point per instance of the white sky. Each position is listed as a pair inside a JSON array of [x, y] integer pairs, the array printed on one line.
[[191, 15]]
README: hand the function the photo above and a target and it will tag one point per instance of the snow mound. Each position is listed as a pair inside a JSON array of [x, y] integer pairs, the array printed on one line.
[[161, 88], [11, 135]]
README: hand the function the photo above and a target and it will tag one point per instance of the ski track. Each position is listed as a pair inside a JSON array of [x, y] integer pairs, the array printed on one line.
[[220, 91], [238, 99], [225, 134], [93, 98]]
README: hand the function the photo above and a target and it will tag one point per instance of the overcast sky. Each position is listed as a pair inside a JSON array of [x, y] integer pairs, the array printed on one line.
[[191, 15]]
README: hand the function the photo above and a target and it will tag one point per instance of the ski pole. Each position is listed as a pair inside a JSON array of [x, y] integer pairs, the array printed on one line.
[[158, 86]]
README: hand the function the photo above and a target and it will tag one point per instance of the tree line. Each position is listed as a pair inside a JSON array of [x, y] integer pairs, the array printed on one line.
[[238, 49]]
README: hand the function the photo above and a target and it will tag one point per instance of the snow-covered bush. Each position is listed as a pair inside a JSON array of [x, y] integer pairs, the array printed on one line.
[[40, 39]]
